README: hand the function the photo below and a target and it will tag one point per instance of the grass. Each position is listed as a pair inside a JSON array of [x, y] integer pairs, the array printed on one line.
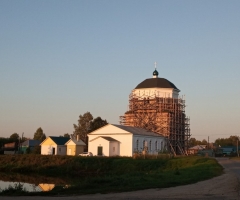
[[115, 174]]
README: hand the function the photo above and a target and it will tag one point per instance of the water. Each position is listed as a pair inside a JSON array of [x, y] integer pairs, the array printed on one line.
[[31, 183]]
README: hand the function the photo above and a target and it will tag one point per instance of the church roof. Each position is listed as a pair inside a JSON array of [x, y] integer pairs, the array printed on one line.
[[136, 130], [156, 83]]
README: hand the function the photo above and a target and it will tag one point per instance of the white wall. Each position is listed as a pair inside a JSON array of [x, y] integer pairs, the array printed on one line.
[[125, 143], [160, 143], [47, 149], [159, 92], [93, 146], [114, 149]]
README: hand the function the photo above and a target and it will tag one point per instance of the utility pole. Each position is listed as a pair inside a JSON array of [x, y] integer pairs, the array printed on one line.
[[208, 142], [237, 149]]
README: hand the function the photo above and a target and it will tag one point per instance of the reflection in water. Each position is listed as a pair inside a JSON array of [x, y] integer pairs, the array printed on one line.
[[46, 187], [26, 186], [31, 183]]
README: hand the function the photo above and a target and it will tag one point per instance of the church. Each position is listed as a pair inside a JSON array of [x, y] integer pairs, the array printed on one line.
[[155, 121], [155, 105]]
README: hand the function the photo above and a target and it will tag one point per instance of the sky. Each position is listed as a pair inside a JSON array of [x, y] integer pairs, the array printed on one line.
[[60, 59]]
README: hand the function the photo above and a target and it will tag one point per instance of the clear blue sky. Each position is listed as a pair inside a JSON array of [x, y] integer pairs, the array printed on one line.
[[60, 59]]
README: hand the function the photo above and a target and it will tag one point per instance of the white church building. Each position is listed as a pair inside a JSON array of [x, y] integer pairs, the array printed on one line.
[[119, 140]]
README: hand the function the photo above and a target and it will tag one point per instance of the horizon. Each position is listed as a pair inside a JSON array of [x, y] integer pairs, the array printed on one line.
[[61, 59]]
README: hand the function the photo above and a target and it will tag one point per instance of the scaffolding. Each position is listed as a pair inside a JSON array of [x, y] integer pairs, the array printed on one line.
[[162, 115]]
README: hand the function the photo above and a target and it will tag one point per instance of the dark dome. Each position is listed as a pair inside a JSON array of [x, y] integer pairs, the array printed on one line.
[[156, 83], [155, 73]]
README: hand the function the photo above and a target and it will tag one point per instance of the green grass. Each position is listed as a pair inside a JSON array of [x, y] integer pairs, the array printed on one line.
[[115, 174]]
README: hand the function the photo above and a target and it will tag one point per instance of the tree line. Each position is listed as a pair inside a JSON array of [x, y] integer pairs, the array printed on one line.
[[220, 142]]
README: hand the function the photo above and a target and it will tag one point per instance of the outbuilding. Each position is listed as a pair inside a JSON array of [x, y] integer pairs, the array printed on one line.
[[119, 140], [75, 147], [54, 146]]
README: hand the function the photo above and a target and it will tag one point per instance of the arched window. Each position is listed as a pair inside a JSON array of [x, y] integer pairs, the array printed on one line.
[[137, 144], [144, 144], [161, 145], [156, 144], [150, 145]]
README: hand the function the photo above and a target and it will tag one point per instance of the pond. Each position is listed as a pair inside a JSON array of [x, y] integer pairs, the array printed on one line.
[[31, 182]]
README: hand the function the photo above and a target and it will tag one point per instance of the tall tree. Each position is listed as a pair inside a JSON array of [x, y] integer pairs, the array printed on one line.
[[87, 124], [83, 127], [97, 123], [14, 136], [39, 135]]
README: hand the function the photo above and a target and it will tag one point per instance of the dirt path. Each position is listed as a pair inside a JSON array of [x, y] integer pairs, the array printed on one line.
[[225, 187]]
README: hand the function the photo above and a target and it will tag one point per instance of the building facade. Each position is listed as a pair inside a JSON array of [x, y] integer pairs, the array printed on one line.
[[155, 105]]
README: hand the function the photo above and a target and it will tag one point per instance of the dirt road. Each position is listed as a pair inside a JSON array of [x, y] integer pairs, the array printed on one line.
[[225, 187]]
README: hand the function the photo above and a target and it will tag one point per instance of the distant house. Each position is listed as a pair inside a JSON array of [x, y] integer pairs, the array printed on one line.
[[227, 151], [195, 149], [119, 140], [11, 148], [54, 146], [74, 147], [29, 144]]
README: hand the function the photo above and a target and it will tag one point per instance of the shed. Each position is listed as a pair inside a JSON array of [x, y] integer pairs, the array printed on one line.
[[54, 146], [74, 147]]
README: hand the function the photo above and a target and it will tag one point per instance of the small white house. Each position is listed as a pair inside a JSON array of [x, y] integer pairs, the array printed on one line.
[[119, 140], [54, 146]]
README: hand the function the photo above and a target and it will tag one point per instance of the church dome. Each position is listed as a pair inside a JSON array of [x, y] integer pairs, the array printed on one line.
[[156, 83], [155, 73]]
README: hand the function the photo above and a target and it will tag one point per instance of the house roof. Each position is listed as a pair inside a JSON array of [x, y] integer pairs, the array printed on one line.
[[156, 83], [59, 140], [136, 130], [110, 139], [31, 143], [77, 142]]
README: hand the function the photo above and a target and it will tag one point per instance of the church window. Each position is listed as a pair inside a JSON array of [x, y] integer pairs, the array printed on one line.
[[150, 145], [156, 146], [137, 145]]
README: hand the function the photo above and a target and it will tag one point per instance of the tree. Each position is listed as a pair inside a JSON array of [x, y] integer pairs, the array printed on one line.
[[66, 135], [39, 135], [193, 142], [204, 142], [14, 136], [231, 141], [36, 150], [97, 123], [86, 124], [83, 127]]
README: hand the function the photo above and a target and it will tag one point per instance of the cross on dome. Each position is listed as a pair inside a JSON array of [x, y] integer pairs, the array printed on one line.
[[155, 73]]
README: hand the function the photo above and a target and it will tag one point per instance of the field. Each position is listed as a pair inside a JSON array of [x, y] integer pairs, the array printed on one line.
[[115, 174]]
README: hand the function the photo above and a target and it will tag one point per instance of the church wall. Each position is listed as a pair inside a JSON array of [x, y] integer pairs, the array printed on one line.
[[151, 148], [125, 143], [160, 92], [93, 146]]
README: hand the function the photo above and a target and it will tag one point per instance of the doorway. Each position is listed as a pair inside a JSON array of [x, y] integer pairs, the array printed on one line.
[[53, 151], [99, 151]]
